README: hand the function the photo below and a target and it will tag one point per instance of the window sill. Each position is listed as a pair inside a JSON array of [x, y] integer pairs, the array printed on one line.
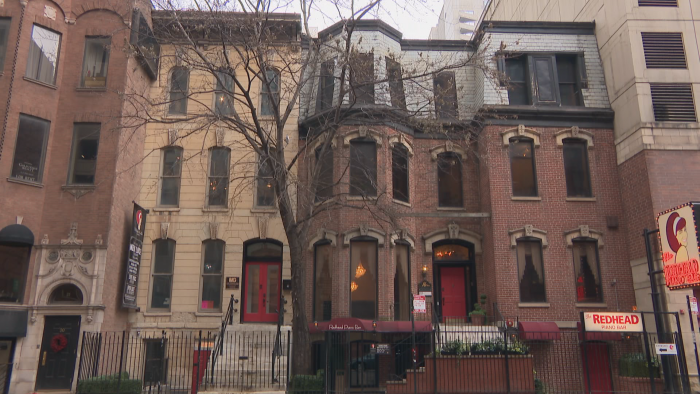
[[519, 198], [214, 209], [591, 305], [157, 314], [175, 116], [263, 210], [84, 89], [581, 199], [48, 85], [21, 182], [209, 314], [361, 198], [165, 209], [404, 203], [533, 304], [451, 209]]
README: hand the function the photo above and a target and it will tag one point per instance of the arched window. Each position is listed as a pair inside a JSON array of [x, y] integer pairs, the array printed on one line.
[[179, 81], [399, 172], [212, 274], [449, 180], [217, 193], [162, 273], [170, 176], [363, 167], [67, 294], [270, 93], [363, 278]]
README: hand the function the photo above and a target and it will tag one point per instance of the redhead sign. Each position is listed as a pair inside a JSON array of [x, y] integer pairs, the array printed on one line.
[[613, 321], [679, 246]]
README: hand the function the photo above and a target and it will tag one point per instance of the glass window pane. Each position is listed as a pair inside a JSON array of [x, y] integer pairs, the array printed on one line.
[[323, 286], [66, 294], [172, 161], [170, 191], [449, 180], [578, 182], [162, 284], [363, 279], [4, 33], [362, 78], [13, 266], [402, 288], [270, 95], [531, 271], [566, 72], [451, 253], [178, 91], [252, 283], [265, 188], [43, 55], [86, 138], [399, 172], [363, 168], [95, 62], [324, 188], [30, 149], [545, 82], [587, 271], [522, 167], [223, 99], [273, 289], [165, 252], [445, 95], [218, 177], [211, 292], [393, 70], [213, 257], [326, 86], [264, 250]]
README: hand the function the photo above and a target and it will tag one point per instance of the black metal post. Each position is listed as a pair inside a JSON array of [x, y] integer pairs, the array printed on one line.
[[326, 367], [435, 371], [195, 385], [413, 346], [585, 354], [691, 317], [80, 363], [121, 361], [505, 337], [682, 364], [288, 358], [646, 352]]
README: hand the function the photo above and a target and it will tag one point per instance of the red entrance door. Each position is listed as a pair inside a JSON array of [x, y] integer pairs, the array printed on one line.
[[598, 367], [452, 291], [262, 292]]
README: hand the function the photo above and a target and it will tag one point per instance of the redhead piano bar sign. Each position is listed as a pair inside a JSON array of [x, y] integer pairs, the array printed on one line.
[[679, 245]]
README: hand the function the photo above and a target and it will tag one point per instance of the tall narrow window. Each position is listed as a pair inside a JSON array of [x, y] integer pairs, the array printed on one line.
[[545, 88], [30, 149], [265, 190], [531, 270], [393, 71], [218, 177], [162, 273], [43, 55], [399, 172], [445, 95], [4, 33], [587, 271], [212, 269], [516, 71], [522, 167], [86, 138], [95, 62], [170, 178], [578, 178], [179, 81], [223, 101], [324, 186], [13, 265], [270, 93], [363, 279], [326, 86], [449, 180], [363, 168], [402, 280], [323, 282], [569, 88], [362, 78]]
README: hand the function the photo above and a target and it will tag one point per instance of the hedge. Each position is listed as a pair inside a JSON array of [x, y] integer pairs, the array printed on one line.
[[107, 384]]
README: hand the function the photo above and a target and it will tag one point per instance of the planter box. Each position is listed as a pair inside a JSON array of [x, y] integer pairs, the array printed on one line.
[[638, 385], [472, 373]]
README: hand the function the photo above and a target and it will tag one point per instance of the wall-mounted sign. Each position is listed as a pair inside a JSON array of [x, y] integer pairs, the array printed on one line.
[[613, 321], [694, 305], [380, 348], [425, 288], [419, 304], [133, 261], [232, 282], [665, 349], [679, 245], [344, 327]]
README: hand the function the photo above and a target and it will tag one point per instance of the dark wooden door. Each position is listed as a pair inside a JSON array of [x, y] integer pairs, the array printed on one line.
[[453, 293], [59, 349]]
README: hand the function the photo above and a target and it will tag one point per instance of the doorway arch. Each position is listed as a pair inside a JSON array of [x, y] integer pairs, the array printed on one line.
[[454, 275], [262, 280]]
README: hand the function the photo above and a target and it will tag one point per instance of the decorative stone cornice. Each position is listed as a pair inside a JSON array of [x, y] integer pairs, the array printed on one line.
[[403, 235], [528, 231], [521, 131], [574, 132], [583, 231], [402, 140], [452, 231], [364, 231], [323, 234], [448, 146], [362, 132]]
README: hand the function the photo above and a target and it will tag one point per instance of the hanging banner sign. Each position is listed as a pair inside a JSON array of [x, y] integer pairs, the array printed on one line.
[[679, 245], [133, 261], [613, 321], [694, 305]]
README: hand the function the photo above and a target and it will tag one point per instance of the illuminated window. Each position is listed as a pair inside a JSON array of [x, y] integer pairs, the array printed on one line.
[[223, 95], [265, 189], [587, 270], [363, 279], [217, 194]]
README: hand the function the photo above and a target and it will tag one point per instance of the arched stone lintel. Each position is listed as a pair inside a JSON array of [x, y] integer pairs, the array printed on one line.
[[405, 236], [322, 234], [362, 132], [583, 231], [452, 232], [521, 131], [401, 139], [528, 231], [44, 298], [320, 140], [448, 146], [574, 132], [364, 231]]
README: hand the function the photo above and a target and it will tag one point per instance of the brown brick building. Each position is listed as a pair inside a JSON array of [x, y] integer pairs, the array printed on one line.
[[67, 188]]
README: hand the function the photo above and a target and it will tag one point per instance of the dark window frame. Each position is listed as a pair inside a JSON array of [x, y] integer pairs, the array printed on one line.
[[219, 179], [361, 175], [511, 143], [587, 187], [35, 74], [204, 274], [401, 152], [16, 167], [325, 182], [270, 99], [23, 276], [314, 311], [178, 105], [163, 177], [223, 92], [365, 239], [74, 155], [445, 94], [442, 200], [6, 25], [104, 72], [397, 313], [538, 242], [170, 275], [260, 178], [599, 286], [396, 89], [326, 86], [362, 81]]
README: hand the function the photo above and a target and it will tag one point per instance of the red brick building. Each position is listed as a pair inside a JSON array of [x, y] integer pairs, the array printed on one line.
[[67, 188]]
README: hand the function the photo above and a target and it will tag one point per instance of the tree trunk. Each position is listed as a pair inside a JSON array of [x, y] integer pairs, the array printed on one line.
[[301, 355]]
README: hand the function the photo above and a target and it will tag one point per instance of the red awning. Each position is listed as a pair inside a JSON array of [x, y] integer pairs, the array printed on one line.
[[598, 336], [539, 331], [352, 324]]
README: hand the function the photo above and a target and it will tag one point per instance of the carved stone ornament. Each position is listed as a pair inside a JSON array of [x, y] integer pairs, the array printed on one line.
[[78, 191], [52, 257], [89, 318], [86, 256], [453, 230], [364, 229], [528, 230], [33, 318], [72, 236], [585, 230], [262, 227], [67, 268], [213, 230], [574, 131], [449, 146], [362, 131], [45, 239], [172, 136], [98, 240], [69, 254], [521, 129], [164, 227]]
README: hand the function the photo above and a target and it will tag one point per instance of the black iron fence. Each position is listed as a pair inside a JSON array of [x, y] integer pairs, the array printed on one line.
[[179, 362]]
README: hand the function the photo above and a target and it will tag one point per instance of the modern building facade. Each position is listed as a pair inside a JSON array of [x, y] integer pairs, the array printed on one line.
[[458, 20], [68, 182], [650, 55]]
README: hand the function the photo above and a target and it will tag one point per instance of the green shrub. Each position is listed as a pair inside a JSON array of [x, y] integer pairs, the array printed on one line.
[[454, 347], [107, 384], [635, 365], [311, 384]]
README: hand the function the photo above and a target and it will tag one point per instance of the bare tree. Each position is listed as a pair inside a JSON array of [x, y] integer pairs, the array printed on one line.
[[263, 68]]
